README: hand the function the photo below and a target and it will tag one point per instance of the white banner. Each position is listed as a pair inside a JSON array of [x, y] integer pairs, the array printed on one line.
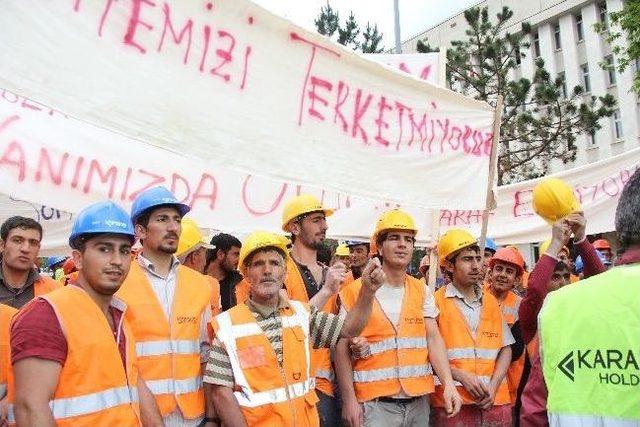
[[49, 154], [226, 83], [430, 67]]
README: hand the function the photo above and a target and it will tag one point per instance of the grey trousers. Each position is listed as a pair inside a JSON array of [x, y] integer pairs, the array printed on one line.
[[389, 414]]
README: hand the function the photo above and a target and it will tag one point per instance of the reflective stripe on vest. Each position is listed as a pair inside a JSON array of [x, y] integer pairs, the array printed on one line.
[[326, 374], [394, 372], [560, 420], [162, 347], [397, 343], [278, 395], [89, 403], [510, 311], [228, 333], [485, 379], [472, 353], [171, 386]]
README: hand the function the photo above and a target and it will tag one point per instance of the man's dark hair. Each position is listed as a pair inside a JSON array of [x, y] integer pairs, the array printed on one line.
[[561, 266], [222, 242], [628, 213], [19, 222], [475, 248], [143, 218]]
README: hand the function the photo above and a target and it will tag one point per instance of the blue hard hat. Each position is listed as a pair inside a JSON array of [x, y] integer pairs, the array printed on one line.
[[101, 217], [579, 265], [156, 196], [55, 260], [603, 259], [490, 245]]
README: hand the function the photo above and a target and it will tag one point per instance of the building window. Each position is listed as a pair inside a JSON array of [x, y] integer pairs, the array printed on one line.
[[617, 125], [563, 84], [579, 28], [602, 11], [536, 44], [591, 140], [556, 36], [585, 77], [611, 71]]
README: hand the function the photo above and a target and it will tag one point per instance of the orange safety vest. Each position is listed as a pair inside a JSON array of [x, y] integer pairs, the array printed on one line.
[[510, 307], [215, 294], [296, 290], [476, 355], [43, 285], [6, 314], [270, 394], [98, 393], [169, 351], [348, 278], [399, 358]]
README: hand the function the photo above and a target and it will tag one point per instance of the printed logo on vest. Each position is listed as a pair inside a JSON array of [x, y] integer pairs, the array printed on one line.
[[414, 320], [186, 319], [612, 366]]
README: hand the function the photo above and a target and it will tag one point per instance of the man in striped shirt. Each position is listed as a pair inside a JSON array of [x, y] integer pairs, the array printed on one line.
[[239, 359]]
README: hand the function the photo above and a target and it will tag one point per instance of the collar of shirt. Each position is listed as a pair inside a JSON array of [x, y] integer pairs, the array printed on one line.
[[453, 292], [148, 265], [266, 311], [631, 256], [31, 279]]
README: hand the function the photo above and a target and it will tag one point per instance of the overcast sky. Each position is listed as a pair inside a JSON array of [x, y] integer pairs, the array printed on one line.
[[415, 15]]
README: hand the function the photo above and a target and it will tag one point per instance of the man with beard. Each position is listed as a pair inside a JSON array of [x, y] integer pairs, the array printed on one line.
[[359, 257], [20, 282], [169, 310], [222, 265], [477, 338], [73, 353]]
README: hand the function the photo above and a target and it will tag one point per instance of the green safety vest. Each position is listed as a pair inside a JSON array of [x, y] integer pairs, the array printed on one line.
[[590, 350]]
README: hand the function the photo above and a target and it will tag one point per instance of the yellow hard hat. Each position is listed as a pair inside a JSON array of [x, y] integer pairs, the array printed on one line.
[[545, 245], [553, 200], [394, 219], [342, 250], [454, 240], [190, 238], [258, 240], [300, 205]]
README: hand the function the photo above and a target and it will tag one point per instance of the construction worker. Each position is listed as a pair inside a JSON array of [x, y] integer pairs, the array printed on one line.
[[477, 338], [490, 249], [55, 265], [342, 255], [589, 340], [604, 247], [20, 281], [391, 386], [6, 314], [505, 269], [222, 265], [262, 348], [169, 309], [73, 354], [358, 259], [548, 275], [70, 272], [192, 253]]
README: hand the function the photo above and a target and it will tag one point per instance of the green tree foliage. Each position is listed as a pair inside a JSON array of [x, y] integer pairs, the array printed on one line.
[[623, 33], [541, 118], [348, 34]]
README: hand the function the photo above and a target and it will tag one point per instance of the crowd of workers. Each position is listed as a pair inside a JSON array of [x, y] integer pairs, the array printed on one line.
[[149, 324]]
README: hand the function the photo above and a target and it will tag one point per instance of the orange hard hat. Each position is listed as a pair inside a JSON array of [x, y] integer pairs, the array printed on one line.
[[601, 244], [518, 254], [510, 256], [68, 267]]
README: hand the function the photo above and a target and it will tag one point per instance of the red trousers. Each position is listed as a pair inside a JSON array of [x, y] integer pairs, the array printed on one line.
[[472, 416]]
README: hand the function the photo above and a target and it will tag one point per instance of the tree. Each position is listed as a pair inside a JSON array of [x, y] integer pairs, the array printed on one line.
[[328, 23], [625, 22], [540, 117]]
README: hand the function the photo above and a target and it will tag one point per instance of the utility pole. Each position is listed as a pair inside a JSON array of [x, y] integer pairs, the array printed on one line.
[[396, 11]]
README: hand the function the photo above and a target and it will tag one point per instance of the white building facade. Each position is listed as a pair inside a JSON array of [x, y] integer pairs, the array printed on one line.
[[564, 37]]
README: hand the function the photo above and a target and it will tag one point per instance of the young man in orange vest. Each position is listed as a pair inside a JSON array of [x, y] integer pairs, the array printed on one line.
[[20, 282], [505, 270], [262, 348], [391, 386], [74, 358], [192, 253], [169, 309], [476, 335]]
